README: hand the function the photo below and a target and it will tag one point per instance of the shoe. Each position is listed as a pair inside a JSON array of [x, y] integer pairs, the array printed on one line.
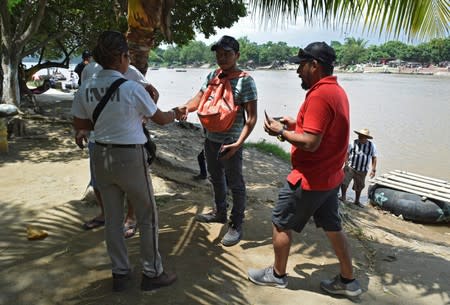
[[359, 204], [232, 237], [93, 223], [265, 277], [164, 279], [199, 177], [129, 230], [120, 282], [212, 216], [336, 286]]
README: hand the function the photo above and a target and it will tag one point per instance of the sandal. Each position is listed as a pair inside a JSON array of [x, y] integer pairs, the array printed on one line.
[[93, 223], [129, 230]]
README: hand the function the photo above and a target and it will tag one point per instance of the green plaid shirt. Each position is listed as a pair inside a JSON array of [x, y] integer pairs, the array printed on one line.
[[244, 91]]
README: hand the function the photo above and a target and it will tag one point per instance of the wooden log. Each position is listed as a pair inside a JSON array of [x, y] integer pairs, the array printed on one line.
[[413, 189], [421, 176], [423, 185], [423, 179], [413, 178]]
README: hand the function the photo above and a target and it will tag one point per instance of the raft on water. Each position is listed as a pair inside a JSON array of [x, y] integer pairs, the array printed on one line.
[[416, 197]]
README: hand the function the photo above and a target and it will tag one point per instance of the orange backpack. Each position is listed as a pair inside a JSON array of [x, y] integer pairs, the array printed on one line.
[[217, 110]]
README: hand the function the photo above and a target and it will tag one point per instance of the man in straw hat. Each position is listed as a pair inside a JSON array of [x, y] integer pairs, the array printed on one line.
[[361, 153]]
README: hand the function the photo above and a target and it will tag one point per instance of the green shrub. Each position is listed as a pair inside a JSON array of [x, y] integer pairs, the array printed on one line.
[[270, 148]]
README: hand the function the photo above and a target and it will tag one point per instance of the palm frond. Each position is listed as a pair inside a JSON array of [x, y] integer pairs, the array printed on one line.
[[414, 19]]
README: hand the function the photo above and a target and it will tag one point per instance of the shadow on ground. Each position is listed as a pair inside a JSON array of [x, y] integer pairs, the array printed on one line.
[[71, 266]]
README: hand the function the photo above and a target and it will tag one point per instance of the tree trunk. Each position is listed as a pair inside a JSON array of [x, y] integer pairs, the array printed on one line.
[[144, 17], [140, 42], [11, 88]]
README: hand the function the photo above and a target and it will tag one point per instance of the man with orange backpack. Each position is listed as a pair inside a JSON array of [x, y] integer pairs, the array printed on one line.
[[226, 106]]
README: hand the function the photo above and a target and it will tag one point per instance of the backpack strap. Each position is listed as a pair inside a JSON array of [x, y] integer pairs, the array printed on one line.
[[220, 75], [106, 98]]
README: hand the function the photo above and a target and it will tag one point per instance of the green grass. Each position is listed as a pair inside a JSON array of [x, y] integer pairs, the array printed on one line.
[[270, 148]]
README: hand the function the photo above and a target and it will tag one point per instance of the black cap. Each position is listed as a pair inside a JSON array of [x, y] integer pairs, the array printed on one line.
[[227, 43], [319, 51], [86, 54]]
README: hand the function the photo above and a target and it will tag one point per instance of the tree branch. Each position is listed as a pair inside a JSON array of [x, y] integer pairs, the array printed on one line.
[[34, 24], [5, 26], [43, 43]]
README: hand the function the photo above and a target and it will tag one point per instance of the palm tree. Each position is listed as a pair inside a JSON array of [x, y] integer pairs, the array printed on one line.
[[416, 19], [144, 17]]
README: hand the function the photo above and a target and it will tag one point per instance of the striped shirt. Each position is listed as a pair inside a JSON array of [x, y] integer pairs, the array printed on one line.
[[360, 155], [244, 91]]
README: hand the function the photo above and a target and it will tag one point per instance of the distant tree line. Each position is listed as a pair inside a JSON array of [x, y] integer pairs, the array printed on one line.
[[351, 51]]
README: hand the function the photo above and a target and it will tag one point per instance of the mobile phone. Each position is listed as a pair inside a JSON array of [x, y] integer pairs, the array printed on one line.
[[267, 116], [222, 152], [277, 118]]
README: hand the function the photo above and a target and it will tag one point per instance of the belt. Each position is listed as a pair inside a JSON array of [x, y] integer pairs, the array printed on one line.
[[119, 145]]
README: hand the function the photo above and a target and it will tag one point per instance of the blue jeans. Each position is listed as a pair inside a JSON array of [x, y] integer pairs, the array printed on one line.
[[224, 174]]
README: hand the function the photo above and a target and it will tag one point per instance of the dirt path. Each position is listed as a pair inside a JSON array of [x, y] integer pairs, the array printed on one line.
[[44, 176]]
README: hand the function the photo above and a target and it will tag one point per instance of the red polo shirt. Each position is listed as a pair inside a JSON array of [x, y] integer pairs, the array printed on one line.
[[325, 111]]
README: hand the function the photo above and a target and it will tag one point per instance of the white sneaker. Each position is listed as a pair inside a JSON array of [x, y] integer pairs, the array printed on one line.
[[265, 277], [232, 237]]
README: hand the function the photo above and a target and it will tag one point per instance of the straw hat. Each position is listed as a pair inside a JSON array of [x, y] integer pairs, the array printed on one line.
[[364, 132]]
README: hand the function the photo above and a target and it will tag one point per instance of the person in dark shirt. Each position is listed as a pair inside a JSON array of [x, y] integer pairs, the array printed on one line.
[[86, 56]]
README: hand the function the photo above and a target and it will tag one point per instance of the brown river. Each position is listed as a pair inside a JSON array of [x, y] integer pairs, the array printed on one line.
[[408, 115]]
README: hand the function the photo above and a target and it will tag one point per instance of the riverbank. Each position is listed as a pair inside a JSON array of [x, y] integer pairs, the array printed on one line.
[[362, 68], [43, 180]]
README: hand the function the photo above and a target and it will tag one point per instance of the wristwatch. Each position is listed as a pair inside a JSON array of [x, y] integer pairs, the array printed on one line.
[[280, 135]]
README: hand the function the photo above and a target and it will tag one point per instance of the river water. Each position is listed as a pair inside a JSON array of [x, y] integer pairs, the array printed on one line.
[[408, 115]]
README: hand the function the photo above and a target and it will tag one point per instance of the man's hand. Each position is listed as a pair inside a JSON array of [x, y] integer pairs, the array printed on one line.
[[272, 126], [153, 92], [288, 122], [81, 137], [181, 112], [227, 151]]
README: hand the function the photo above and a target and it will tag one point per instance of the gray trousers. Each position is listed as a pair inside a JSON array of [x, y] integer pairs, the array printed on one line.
[[121, 171]]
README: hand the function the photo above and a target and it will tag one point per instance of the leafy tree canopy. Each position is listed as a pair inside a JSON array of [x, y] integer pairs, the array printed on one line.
[[351, 51]]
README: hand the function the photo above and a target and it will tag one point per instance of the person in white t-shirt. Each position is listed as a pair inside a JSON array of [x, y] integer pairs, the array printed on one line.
[[120, 160], [89, 71]]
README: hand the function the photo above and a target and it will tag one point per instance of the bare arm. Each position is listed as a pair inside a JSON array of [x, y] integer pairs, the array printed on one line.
[[153, 92], [194, 102], [374, 167], [163, 117], [82, 128], [250, 109], [306, 141], [82, 124]]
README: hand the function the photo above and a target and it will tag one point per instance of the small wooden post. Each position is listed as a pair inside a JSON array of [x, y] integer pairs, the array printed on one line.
[[3, 136]]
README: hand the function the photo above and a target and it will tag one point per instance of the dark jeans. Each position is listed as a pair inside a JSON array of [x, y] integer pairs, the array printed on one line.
[[201, 163], [224, 174]]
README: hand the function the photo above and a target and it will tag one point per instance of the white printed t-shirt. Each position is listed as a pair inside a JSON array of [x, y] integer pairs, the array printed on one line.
[[127, 108]]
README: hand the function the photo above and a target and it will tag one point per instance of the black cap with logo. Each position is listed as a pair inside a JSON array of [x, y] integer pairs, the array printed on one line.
[[227, 43], [319, 51]]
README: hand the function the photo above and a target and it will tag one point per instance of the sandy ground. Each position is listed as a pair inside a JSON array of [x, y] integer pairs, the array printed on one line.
[[42, 183]]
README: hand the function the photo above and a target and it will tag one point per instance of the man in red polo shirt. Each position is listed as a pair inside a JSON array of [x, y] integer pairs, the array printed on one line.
[[319, 138]]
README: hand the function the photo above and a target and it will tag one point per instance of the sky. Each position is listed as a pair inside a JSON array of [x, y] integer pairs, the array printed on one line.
[[295, 35]]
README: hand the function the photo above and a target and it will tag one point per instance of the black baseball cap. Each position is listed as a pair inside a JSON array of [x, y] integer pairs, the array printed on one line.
[[319, 51], [227, 43], [86, 54]]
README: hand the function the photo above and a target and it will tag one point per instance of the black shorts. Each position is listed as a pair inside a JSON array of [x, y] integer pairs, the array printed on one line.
[[295, 207]]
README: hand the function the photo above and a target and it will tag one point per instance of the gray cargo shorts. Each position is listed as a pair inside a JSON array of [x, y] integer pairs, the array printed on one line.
[[295, 207]]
